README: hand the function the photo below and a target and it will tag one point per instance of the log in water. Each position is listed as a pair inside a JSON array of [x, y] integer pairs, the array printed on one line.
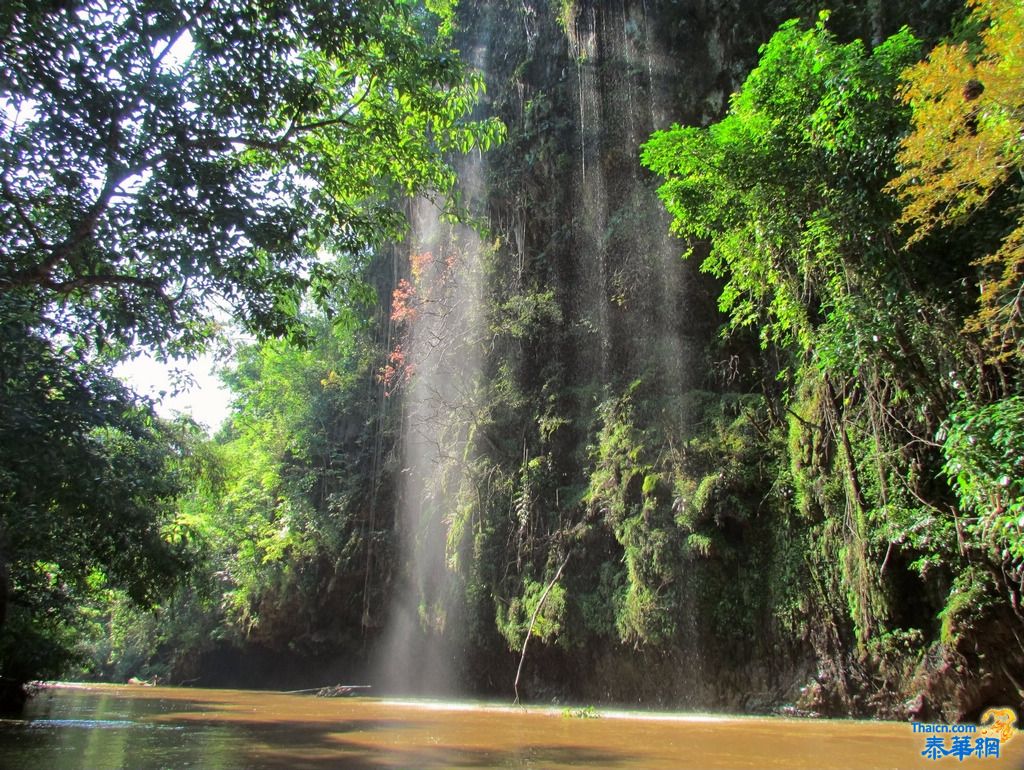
[[143, 728]]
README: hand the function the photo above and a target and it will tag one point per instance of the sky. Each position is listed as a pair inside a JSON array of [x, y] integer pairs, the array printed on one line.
[[207, 400]]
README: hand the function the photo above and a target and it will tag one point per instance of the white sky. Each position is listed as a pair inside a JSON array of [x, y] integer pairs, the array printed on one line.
[[207, 400]]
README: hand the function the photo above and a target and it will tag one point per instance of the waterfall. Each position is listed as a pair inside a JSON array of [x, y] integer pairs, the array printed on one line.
[[435, 370], [592, 191], [440, 360]]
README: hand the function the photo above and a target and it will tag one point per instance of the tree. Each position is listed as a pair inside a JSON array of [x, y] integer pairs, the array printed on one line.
[[966, 153], [156, 154], [962, 167], [88, 481], [788, 186], [293, 550]]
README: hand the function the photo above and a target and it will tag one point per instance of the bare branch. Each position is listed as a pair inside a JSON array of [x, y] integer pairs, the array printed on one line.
[[533, 621]]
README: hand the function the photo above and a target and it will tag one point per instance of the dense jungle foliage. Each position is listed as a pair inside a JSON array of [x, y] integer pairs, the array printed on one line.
[[163, 164], [787, 468]]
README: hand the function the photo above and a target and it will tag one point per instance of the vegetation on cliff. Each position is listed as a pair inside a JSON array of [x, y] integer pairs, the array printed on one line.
[[897, 369]]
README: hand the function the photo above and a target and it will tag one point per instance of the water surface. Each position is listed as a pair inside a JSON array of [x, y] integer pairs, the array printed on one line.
[[143, 728]]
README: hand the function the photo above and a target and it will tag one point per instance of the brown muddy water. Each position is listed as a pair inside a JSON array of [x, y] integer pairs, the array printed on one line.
[[144, 728]]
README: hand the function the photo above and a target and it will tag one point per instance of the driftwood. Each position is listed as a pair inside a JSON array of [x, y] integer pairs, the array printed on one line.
[[337, 691]]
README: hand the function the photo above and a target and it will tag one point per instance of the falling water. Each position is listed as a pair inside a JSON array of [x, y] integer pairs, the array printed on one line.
[[437, 366], [630, 275], [441, 359], [591, 205], [645, 304]]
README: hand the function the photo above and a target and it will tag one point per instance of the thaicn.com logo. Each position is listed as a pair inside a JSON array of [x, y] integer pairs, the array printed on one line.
[[983, 740]]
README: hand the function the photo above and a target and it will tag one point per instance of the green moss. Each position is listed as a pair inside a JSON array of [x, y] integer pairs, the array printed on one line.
[[650, 485], [972, 593]]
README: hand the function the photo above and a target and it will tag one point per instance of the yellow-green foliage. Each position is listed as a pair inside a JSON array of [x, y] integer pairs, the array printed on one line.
[[968, 141], [582, 712], [807, 448]]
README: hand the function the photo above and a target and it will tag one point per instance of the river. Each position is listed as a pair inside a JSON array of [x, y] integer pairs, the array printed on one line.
[[144, 728]]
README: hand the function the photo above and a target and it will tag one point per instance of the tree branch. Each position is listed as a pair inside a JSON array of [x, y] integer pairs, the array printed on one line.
[[25, 220], [96, 280], [294, 128], [533, 621], [40, 274]]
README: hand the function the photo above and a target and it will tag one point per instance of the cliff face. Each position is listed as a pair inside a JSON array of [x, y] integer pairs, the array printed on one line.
[[617, 480], [624, 367]]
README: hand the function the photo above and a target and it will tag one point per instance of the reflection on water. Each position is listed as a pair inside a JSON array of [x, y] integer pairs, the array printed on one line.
[[148, 728]]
